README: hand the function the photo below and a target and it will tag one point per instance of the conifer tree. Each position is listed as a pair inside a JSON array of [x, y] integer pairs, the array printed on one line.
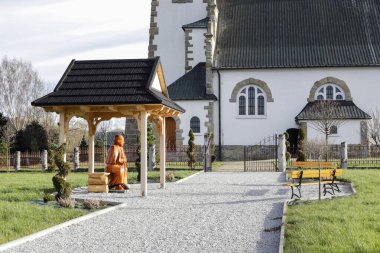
[[138, 160], [191, 151], [300, 154], [83, 143]]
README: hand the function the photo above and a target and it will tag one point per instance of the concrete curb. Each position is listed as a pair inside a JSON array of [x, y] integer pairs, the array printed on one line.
[[186, 178], [282, 235], [353, 188], [50, 230]]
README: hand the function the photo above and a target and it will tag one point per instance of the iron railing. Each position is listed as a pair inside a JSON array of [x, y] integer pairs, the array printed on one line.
[[262, 156]]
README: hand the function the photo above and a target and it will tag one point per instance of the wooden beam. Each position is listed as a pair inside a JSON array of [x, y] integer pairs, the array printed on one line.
[[160, 74], [85, 108], [58, 109]]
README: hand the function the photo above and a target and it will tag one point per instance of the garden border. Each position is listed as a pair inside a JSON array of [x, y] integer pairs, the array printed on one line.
[[186, 178], [47, 231]]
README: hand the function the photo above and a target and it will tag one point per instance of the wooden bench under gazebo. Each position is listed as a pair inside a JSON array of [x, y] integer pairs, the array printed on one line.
[[98, 90]]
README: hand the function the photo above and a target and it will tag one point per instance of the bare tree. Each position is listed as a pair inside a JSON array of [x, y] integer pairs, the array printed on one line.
[[20, 84], [326, 117], [374, 127], [77, 129]]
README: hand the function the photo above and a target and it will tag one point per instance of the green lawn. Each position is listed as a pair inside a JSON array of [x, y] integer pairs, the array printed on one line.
[[18, 217], [350, 224]]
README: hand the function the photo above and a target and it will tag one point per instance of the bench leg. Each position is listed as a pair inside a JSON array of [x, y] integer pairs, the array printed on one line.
[[328, 187], [295, 194], [335, 185]]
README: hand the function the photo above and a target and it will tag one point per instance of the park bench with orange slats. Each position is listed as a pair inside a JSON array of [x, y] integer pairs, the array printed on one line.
[[326, 171]]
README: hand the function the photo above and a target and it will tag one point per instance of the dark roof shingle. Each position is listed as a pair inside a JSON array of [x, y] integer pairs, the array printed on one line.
[[191, 86], [343, 110], [107, 82], [297, 33]]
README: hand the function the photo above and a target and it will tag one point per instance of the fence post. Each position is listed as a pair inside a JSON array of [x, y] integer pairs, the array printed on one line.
[[245, 158], [17, 160], [343, 155], [44, 160], [76, 159], [281, 153], [152, 157]]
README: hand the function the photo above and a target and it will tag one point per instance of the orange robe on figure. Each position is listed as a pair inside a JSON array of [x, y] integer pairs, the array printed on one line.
[[116, 164]]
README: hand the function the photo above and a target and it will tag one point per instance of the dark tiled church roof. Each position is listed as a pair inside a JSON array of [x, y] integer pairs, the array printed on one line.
[[342, 110], [191, 86], [197, 24], [298, 33], [107, 82]]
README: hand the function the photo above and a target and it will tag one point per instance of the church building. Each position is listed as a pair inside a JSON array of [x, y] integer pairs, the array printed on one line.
[[247, 69]]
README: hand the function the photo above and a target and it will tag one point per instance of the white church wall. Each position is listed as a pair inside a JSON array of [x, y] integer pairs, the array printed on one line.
[[170, 39], [193, 108], [198, 41], [350, 129], [290, 90]]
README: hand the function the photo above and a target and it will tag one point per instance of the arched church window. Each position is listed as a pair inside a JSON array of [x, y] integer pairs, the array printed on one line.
[[329, 92], [195, 124], [242, 105], [252, 101], [261, 106]]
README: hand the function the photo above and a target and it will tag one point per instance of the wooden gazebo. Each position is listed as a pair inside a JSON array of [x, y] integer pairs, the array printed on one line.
[[99, 90]]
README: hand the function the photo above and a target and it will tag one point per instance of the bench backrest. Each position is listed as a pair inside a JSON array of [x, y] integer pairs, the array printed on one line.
[[325, 173], [313, 165]]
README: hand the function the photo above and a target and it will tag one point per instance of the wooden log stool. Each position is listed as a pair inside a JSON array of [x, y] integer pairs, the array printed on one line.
[[98, 182]]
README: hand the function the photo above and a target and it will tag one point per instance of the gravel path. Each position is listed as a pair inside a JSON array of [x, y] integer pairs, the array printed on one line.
[[210, 212]]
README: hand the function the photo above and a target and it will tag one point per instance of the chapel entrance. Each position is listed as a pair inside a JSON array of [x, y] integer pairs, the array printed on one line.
[[170, 133], [293, 140]]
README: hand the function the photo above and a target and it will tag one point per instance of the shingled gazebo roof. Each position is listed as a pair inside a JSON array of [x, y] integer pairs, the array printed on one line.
[[108, 82]]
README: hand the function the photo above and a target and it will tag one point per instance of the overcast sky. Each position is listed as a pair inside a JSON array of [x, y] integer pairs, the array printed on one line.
[[50, 33]]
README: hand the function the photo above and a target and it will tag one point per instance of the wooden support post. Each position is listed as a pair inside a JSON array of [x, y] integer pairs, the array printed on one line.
[[144, 152], [62, 130], [162, 153], [91, 153]]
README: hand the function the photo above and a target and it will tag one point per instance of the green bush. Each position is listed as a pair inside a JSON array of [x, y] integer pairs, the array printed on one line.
[[301, 157], [66, 202], [91, 204], [48, 197], [170, 176], [3, 153], [62, 187]]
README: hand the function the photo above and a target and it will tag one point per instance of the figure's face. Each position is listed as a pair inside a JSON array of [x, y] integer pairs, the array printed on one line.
[[119, 140]]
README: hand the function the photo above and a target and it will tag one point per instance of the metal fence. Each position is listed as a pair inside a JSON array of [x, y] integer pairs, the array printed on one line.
[[176, 158], [262, 156], [363, 156], [28, 161], [358, 156]]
